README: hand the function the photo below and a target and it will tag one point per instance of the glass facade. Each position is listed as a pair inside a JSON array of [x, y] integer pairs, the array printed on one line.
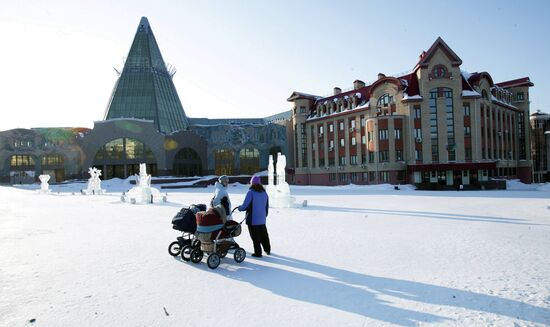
[[145, 89]]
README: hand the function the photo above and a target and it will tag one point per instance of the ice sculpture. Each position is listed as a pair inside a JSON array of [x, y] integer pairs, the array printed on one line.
[[94, 183], [44, 187], [279, 193], [142, 192]]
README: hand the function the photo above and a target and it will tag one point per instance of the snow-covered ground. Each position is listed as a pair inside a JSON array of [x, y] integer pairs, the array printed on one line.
[[355, 256]]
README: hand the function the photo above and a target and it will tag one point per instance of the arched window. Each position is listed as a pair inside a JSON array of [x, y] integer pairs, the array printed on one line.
[[121, 158], [384, 100], [224, 161], [187, 163], [439, 71], [250, 161]]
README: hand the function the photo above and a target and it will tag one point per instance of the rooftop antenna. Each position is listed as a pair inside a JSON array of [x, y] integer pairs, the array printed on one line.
[[117, 72], [171, 70]]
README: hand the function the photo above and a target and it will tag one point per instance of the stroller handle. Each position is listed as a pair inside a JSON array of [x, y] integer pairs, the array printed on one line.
[[234, 211]]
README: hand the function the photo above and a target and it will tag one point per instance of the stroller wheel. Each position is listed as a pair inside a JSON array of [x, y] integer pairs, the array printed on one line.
[[196, 256], [186, 252], [239, 255], [195, 243], [174, 248], [213, 261]]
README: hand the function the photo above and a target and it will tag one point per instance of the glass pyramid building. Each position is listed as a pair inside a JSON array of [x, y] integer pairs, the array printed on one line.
[[145, 88]]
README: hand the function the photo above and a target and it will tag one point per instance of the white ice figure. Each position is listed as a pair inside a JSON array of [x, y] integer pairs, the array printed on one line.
[[94, 183], [143, 192], [44, 187], [279, 195], [270, 187]]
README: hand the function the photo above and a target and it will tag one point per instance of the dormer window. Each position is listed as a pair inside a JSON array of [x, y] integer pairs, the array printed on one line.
[[439, 71]]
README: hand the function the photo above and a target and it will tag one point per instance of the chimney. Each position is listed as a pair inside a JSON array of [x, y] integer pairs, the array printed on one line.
[[337, 90], [422, 55], [357, 84], [380, 75]]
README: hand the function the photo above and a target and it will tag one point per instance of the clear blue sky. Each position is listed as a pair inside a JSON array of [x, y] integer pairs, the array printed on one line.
[[244, 58]]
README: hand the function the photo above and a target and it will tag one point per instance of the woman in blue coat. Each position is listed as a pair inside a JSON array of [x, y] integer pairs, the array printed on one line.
[[256, 205]]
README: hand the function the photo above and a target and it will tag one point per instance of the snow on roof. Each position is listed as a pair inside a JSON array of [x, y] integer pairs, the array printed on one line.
[[412, 97], [466, 93]]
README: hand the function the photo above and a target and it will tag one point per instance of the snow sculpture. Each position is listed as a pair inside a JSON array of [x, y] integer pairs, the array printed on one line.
[[44, 187], [94, 183], [142, 192], [279, 194], [269, 188]]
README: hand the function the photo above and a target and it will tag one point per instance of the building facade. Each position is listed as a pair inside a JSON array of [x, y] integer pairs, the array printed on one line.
[[436, 127], [144, 122], [540, 146]]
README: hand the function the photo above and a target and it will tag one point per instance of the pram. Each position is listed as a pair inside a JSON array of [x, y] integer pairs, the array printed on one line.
[[215, 239], [185, 222]]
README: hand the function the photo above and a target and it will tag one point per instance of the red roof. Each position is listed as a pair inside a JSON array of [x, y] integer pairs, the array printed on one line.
[[524, 81]]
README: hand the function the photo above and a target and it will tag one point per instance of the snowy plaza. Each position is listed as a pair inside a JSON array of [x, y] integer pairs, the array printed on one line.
[[354, 256]]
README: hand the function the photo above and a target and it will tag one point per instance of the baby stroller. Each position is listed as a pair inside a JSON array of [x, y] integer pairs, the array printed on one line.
[[185, 222], [215, 239]]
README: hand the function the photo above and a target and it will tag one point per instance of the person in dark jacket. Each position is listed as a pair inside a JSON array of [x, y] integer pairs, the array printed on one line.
[[256, 205]]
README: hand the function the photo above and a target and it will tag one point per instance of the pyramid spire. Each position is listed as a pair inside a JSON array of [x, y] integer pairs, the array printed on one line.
[[145, 88]]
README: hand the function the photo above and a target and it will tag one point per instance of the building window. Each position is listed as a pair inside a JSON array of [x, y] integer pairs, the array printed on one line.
[[398, 155], [371, 136], [352, 123], [321, 131], [397, 133], [353, 142], [363, 139], [418, 155], [362, 121], [384, 100], [332, 177], [417, 112], [371, 156], [21, 161], [52, 160], [353, 160], [342, 144], [439, 71], [468, 154], [383, 156], [467, 130], [520, 96], [383, 134], [342, 161], [331, 127], [331, 145], [341, 124], [353, 177], [385, 176], [466, 107], [342, 177]]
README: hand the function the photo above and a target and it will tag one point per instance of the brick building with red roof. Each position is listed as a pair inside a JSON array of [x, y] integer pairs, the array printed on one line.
[[437, 127]]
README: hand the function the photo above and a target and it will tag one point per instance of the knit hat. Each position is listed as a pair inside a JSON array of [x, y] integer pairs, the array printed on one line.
[[223, 180], [255, 180]]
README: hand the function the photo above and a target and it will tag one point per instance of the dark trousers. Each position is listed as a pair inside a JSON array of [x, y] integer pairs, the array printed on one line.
[[260, 238]]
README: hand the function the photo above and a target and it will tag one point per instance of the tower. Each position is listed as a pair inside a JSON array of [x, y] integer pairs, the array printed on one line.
[[145, 89]]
